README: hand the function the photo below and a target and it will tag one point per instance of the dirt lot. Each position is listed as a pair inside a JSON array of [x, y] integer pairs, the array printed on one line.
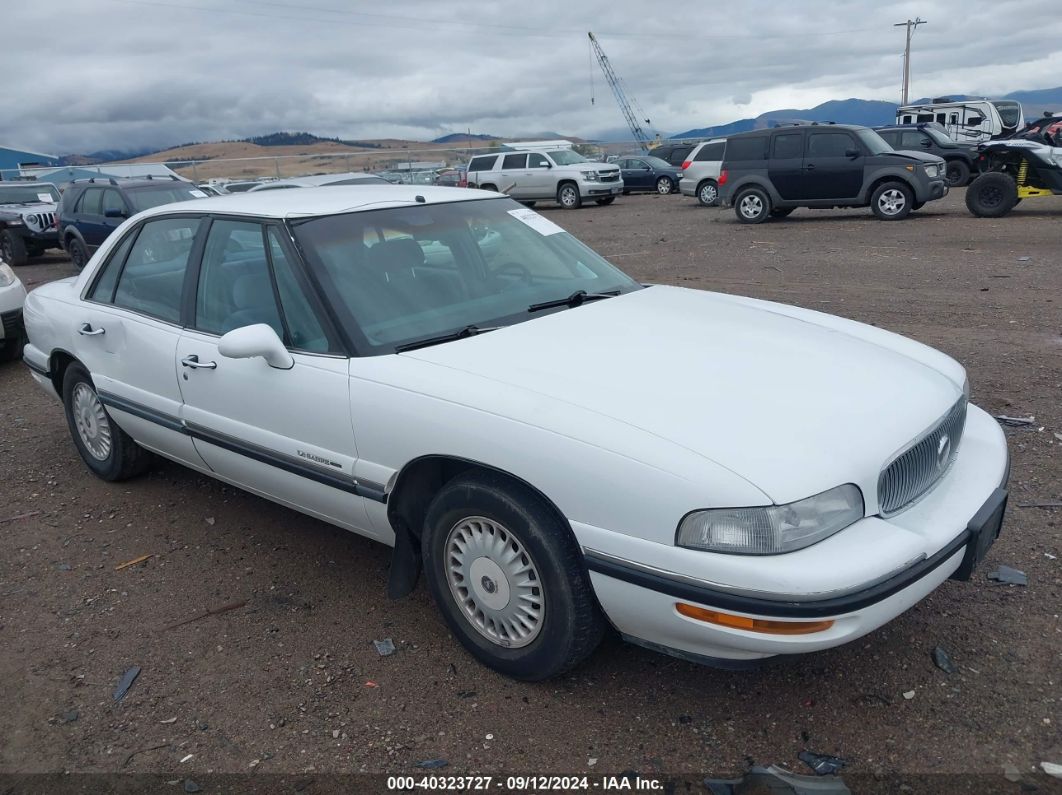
[[290, 682]]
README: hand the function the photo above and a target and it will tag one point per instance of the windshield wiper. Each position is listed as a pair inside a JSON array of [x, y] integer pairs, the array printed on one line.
[[578, 298], [467, 331]]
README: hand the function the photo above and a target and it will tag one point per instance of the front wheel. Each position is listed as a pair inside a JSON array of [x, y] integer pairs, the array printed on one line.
[[508, 576], [607, 200], [957, 173], [992, 195], [78, 255], [665, 186], [107, 450], [13, 248], [752, 206], [892, 201], [708, 193], [568, 196]]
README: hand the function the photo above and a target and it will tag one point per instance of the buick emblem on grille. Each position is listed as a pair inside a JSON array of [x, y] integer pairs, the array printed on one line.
[[943, 451]]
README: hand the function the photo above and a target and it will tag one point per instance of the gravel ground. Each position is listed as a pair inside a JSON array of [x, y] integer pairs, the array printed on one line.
[[289, 682]]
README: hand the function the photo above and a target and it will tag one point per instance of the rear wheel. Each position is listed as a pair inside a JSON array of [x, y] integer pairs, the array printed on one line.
[[752, 206], [13, 248], [992, 195], [708, 193], [606, 200], [508, 577], [664, 186], [957, 173], [78, 255], [568, 196], [892, 201], [107, 450]]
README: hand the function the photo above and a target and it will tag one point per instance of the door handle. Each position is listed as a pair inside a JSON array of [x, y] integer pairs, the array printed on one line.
[[193, 362], [809, 167], [86, 330]]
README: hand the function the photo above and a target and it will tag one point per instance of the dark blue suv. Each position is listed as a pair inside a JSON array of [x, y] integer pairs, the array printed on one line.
[[93, 208]]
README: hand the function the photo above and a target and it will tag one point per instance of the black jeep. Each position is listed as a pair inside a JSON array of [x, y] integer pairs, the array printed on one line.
[[27, 220], [769, 173]]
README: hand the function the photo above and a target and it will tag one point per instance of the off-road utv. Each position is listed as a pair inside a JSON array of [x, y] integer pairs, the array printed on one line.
[[1022, 167], [27, 220]]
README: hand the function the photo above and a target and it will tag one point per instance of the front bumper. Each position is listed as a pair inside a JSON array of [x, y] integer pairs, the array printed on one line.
[[11, 325], [599, 189], [949, 530], [934, 189]]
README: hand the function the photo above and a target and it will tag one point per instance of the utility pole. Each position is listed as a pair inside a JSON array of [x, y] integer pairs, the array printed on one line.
[[911, 26]]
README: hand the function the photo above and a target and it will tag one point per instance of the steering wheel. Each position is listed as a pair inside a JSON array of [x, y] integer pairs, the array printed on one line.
[[517, 268]]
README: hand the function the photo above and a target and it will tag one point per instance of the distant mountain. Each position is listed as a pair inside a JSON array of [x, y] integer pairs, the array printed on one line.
[[457, 138], [868, 112], [288, 139]]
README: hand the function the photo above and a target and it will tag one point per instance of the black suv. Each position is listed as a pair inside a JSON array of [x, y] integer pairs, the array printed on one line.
[[959, 159], [674, 152], [93, 208], [769, 173]]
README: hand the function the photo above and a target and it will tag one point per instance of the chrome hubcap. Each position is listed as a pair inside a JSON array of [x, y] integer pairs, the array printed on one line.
[[891, 201], [91, 422], [751, 206], [664, 186], [568, 196], [708, 193], [494, 581]]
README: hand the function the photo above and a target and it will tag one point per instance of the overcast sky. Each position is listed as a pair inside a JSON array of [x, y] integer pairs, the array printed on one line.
[[83, 75]]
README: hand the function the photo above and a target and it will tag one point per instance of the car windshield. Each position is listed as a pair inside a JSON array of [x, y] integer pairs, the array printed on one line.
[[941, 138], [400, 275], [146, 198], [28, 193], [874, 142], [566, 157], [656, 162]]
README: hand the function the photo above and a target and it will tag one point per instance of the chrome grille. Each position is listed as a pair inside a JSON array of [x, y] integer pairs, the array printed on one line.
[[912, 473], [610, 177]]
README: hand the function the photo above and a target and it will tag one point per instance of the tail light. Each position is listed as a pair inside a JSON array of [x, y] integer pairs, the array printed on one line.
[[686, 164], [722, 177]]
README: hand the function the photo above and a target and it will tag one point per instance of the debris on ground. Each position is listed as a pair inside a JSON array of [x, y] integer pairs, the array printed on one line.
[[822, 764], [1005, 575], [909, 694], [169, 720], [385, 647], [1052, 769], [466, 693], [432, 764], [1024, 259], [64, 567], [207, 614], [371, 683], [776, 781], [1011, 773], [942, 660], [69, 716], [1016, 422], [191, 786], [186, 758], [1040, 504], [126, 682], [132, 562], [16, 517], [144, 751], [210, 520]]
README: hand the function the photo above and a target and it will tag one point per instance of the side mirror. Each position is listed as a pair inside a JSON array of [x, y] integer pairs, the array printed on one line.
[[852, 154], [927, 143], [256, 340], [114, 212]]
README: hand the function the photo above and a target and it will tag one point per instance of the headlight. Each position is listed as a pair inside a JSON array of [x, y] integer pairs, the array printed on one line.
[[589, 176], [7, 276], [773, 529], [933, 171]]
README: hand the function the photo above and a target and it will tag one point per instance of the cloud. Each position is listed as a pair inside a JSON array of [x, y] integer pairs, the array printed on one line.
[[162, 72]]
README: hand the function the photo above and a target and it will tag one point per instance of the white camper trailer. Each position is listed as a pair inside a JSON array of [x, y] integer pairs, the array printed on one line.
[[967, 121]]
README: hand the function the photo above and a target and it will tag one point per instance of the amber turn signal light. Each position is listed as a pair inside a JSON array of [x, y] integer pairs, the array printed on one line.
[[764, 625]]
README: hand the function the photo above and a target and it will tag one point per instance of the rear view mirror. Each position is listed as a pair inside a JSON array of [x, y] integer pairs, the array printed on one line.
[[256, 340]]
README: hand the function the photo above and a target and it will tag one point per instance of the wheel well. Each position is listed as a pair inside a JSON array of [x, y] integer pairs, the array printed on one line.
[[564, 182], [60, 361], [888, 178], [705, 181]]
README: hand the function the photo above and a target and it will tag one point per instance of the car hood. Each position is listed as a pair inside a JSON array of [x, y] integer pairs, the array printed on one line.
[[921, 157], [793, 401], [29, 207]]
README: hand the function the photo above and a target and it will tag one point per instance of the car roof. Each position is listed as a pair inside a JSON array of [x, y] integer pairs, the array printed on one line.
[[123, 182], [314, 180], [309, 202]]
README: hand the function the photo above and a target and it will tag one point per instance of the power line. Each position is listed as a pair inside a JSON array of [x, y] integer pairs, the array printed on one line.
[[912, 26]]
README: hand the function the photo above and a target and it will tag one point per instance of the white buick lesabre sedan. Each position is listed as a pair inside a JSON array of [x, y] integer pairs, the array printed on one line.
[[558, 447]]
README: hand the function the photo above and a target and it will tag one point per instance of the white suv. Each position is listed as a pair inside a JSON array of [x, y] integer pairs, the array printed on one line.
[[700, 171], [551, 173]]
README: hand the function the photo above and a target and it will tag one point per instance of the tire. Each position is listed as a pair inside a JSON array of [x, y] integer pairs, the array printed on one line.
[[956, 173], [992, 195], [78, 255], [752, 206], [13, 248], [607, 200], [106, 449], [488, 187], [664, 186], [892, 201], [568, 196], [528, 204], [472, 526], [708, 193], [782, 212]]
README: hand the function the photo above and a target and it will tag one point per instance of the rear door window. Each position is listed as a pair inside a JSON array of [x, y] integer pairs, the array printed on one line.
[[153, 277], [753, 148], [515, 161], [711, 152], [91, 202], [484, 163]]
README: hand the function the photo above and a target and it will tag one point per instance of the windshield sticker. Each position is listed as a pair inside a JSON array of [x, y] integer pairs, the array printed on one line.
[[543, 226], [46, 198], [198, 194]]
